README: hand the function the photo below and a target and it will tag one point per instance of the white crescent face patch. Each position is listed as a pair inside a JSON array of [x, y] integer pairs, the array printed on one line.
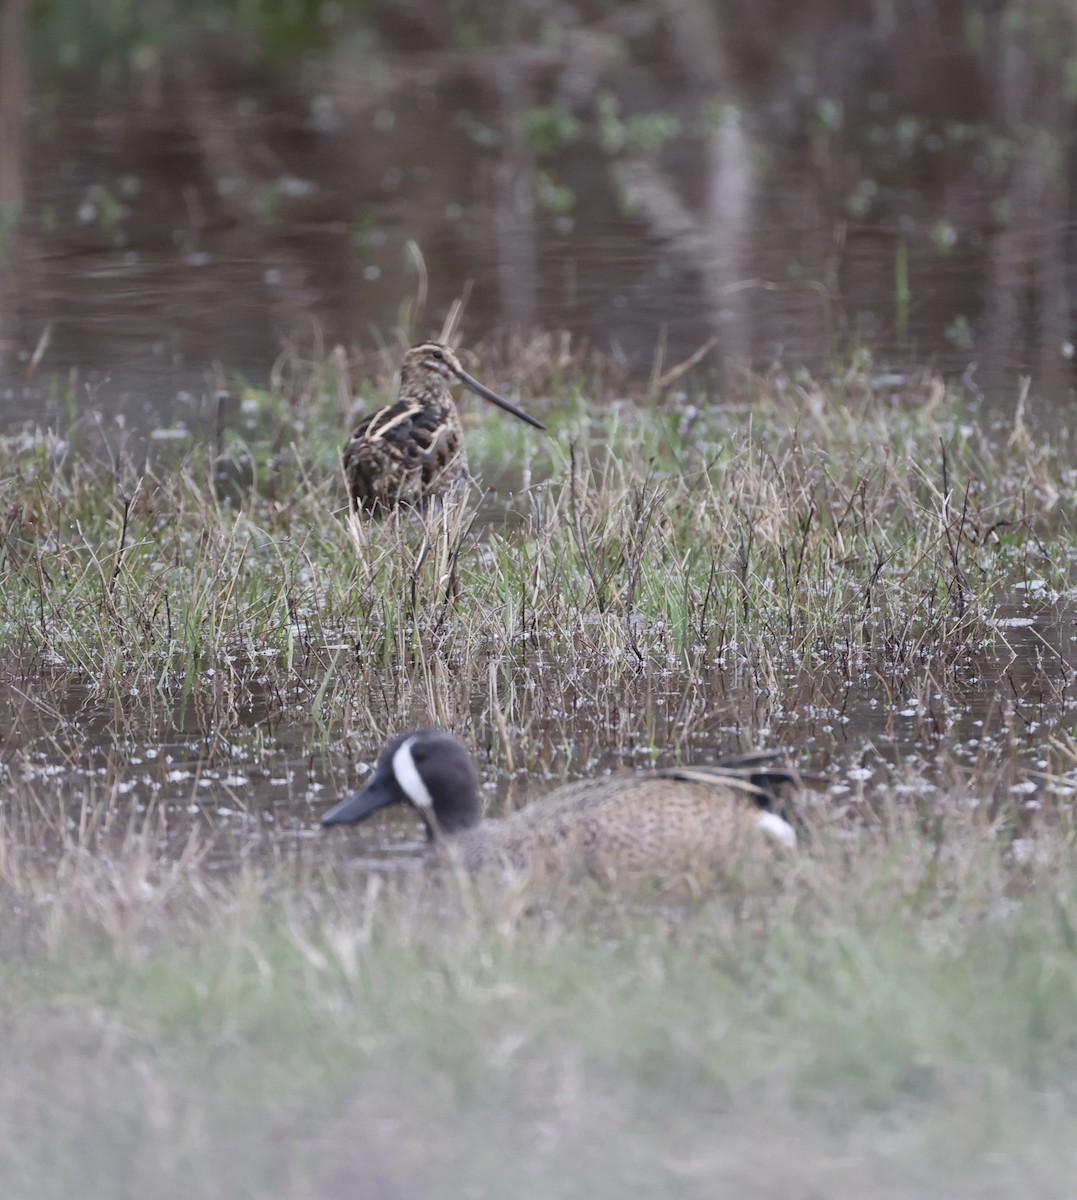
[[407, 775]]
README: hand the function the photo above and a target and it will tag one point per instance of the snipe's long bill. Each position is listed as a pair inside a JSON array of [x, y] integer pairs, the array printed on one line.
[[412, 451], [659, 822]]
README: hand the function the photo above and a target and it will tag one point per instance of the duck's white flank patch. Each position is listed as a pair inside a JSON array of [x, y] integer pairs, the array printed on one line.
[[407, 775], [770, 823]]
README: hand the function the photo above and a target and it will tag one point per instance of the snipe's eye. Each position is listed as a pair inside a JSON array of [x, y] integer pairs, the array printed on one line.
[[438, 355]]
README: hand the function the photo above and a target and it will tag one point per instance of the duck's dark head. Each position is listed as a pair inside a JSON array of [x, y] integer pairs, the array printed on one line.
[[433, 363], [427, 768]]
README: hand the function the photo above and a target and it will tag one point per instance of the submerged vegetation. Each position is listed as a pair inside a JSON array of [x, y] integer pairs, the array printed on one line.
[[875, 570]]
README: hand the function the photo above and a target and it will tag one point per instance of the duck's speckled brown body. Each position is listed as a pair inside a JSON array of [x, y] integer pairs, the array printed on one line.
[[412, 450], [646, 822], [664, 822]]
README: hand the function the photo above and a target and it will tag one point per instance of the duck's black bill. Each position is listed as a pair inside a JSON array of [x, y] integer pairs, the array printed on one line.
[[470, 382], [378, 794]]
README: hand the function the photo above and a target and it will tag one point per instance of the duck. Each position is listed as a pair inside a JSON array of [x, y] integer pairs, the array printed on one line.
[[657, 821], [412, 451]]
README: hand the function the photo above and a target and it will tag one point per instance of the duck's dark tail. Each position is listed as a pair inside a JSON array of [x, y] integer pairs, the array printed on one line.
[[763, 776]]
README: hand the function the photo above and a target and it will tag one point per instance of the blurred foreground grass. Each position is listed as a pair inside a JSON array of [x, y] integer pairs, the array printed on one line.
[[893, 1016]]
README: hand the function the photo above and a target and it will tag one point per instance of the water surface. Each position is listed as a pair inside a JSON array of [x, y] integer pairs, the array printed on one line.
[[185, 203]]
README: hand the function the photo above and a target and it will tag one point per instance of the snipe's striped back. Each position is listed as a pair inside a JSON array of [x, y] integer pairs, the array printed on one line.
[[412, 450]]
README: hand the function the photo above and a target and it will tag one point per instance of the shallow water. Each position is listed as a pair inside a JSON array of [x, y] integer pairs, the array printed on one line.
[[254, 785], [193, 202]]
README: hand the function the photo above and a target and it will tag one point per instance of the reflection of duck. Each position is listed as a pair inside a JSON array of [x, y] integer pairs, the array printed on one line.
[[659, 821], [413, 449]]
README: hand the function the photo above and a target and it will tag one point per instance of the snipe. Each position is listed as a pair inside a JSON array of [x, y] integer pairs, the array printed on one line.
[[412, 450], [662, 822]]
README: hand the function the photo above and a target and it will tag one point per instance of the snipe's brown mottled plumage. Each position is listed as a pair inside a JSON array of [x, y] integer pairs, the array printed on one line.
[[644, 822], [413, 449]]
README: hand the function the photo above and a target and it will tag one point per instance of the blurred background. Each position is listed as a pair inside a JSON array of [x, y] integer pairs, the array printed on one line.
[[189, 188]]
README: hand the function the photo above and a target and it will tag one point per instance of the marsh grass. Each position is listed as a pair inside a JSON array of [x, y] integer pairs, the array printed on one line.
[[811, 563], [827, 531], [660, 578]]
